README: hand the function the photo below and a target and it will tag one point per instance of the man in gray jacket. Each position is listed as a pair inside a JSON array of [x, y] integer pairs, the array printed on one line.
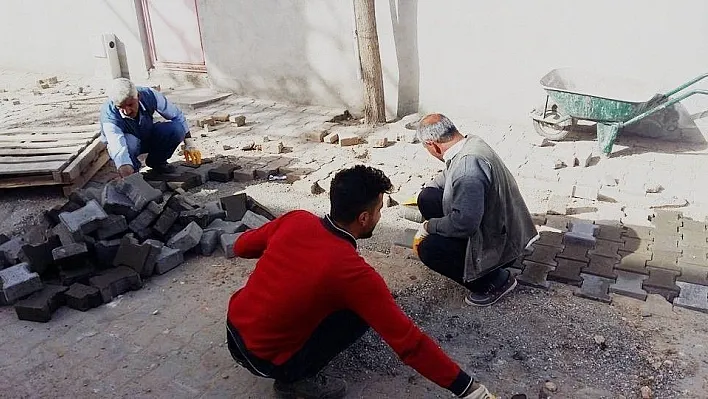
[[476, 222]]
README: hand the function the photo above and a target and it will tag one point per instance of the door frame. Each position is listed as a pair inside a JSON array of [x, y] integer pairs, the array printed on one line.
[[177, 66]]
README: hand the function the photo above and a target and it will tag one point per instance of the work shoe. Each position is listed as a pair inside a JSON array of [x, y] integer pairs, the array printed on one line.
[[318, 387], [493, 294], [164, 169]]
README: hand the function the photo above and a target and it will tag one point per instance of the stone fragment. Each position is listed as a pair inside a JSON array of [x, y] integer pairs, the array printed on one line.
[[379, 142], [221, 117], [207, 121], [595, 288], [83, 297], [227, 244], [186, 239], [112, 226], [331, 138], [629, 284], [40, 305], [692, 296], [168, 259], [223, 173], [646, 392], [272, 147], [348, 139], [39, 256], [235, 206], [558, 164], [16, 282], [253, 220], [166, 220], [586, 192], [238, 120], [138, 190], [114, 282], [535, 275], [209, 242], [226, 227]]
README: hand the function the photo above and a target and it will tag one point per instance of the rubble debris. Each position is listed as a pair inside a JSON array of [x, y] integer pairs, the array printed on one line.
[[227, 147], [348, 139], [238, 120], [221, 117], [344, 116], [559, 164], [248, 146], [272, 147], [208, 121], [331, 138]]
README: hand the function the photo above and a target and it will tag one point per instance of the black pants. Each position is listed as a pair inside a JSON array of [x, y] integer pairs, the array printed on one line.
[[335, 334], [446, 255]]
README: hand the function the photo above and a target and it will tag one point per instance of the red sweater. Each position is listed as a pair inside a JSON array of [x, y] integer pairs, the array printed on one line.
[[306, 271]]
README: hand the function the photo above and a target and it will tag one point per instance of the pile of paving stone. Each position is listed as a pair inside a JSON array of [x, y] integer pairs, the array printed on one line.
[[106, 240]]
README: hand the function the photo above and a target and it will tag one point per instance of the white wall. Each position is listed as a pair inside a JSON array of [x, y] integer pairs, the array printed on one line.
[[57, 35]]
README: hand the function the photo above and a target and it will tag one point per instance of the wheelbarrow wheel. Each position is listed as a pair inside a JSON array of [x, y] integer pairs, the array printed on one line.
[[552, 131]]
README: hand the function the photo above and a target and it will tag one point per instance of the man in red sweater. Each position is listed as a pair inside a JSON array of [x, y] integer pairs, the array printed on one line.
[[312, 295]]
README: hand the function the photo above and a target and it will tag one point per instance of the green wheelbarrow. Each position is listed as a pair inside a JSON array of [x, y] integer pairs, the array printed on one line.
[[618, 102]]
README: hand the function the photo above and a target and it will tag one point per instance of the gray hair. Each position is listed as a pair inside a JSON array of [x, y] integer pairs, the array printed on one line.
[[437, 128], [121, 90]]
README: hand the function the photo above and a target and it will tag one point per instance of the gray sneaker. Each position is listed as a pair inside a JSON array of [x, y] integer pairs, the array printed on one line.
[[318, 387], [492, 295]]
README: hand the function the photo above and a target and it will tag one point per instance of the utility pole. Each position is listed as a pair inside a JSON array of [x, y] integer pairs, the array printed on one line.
[[370, 61]]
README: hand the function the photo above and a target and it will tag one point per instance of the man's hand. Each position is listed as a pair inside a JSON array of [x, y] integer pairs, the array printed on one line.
[[191, 153], [126, 170], [420, 236], [478, 391]]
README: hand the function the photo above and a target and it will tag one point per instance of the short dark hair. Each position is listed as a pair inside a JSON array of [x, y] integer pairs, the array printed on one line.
[[356, 190]]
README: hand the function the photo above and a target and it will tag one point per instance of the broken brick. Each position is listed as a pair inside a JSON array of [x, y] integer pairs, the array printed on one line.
[[168, 259], [40, 305], [16, 282], [348, 139], [331, 138], [238, 120], [83, 297], [186, 239], [114, 282]]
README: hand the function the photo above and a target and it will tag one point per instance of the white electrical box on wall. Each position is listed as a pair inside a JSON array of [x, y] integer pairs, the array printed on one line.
[[106, 55]]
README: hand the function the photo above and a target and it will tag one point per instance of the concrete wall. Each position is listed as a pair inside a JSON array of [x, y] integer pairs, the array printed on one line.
[[58, 35], [467, 58]]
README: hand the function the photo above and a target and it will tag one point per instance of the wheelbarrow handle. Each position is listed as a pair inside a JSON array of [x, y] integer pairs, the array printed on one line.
[[685, 85], [665, 105]]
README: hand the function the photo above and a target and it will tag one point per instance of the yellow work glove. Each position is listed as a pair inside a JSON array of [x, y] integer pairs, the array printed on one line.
[[191, 153], [420, 236], [480, 393]]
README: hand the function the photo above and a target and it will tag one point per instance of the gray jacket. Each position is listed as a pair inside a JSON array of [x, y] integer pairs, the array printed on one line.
[[482, 202]]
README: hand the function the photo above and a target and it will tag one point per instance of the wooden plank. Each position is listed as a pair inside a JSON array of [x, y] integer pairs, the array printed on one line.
[[27, 181], [40, 137], [85, 157], [52, 129], [31, 168], [72, 143], [37, 158], [87, 174], [40, 151]]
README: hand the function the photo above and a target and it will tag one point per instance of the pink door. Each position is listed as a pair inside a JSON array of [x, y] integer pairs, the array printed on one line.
[[173, 32]]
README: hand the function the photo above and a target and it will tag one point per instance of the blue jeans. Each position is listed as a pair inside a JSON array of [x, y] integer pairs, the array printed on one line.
[[159, 143]]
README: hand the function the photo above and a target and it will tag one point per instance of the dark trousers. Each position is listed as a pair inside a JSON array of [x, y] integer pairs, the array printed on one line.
[[336, 333], [160, 143], [446, 255]]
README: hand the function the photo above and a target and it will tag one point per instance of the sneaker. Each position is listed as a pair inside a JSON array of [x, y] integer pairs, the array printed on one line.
[[164, 169], [318, 387], [492, 295]]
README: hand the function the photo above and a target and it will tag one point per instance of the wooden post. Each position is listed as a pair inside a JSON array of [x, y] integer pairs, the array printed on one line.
[[370, 60]]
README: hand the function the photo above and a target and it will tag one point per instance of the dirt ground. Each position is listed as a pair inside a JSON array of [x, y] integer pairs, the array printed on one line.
[[167, 340]]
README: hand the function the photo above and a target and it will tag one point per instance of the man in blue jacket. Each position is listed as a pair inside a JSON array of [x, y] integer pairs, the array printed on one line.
[[128, 129]]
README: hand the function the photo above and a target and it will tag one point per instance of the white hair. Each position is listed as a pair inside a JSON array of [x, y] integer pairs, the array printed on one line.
[[121, 90], [441, 130]]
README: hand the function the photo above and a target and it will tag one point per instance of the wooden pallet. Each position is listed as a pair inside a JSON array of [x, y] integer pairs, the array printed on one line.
[[68, 156]]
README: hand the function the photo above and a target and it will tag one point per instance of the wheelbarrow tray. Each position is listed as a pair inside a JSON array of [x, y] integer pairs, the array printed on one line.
[[595, 97]]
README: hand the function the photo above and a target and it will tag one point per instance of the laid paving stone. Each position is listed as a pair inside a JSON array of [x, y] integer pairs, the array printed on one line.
[[114, 282], [693, 240], [112, 226], [610, 233], [186, 239], [40, 305], [106, 251], [538, 219], [165, 221], [609, 249], [84, 220], [535, 275], [168, 259], [209, 242], [629, 284], [138, 190], [39, 256], [664, 260], [575, 252], [601, 266], [667, 244], [695, 256], [696, 226], [253, 220], [227, 244], [16, 282], [692, 296], [662, 282], [693, 274], [550, 238], [584, 228], [567, 271], [595, 288], [640, 245], [199, 216], [13, 249], [579, 239], [557, 222], [83, 297], [235, 206], [226, 227], [543, 254], [633, 262], [638, 232], [72, 256], [223, 173]]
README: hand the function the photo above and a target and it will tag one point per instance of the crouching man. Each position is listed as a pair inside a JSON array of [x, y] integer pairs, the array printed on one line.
[[312, 295]]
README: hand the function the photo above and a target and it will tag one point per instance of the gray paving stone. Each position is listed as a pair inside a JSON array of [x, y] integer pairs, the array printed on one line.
[[227, 227], [169, 259], [84, 220], [199, 216], [405, 239], [112, 226], [253, 220], [186, 239], [39, 256], [16, 282], [595, 288], [235, 206], [227, 244], [83, 297], [585, 228], [629, 284], [576, 238], [138, 190], [535, 275], [131, 253], [13, 249], [692, 296], [209, 242], [72, 256], [40, 305], [155, 250], [117, 203], [106, 251], [166, 220], [114, 282], [143, 221]]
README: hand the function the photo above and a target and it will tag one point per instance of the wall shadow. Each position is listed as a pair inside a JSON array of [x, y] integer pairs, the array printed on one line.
[[404, 18]]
